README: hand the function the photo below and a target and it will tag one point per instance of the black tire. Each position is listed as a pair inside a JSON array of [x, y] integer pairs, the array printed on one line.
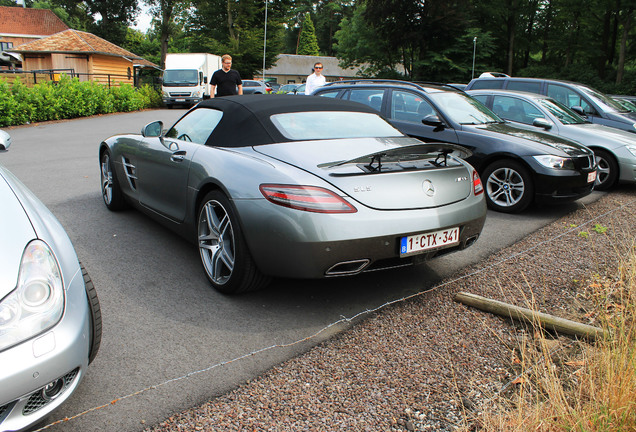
[[111, 191], [95, 315], [607, 173], [225, 257], [508, 186]]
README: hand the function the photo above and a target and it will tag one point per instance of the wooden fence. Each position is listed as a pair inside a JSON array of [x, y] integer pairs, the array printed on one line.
[[28, 78]]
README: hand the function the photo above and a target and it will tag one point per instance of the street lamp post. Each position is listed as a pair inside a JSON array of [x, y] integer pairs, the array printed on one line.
[[265, 41], [474, 51]]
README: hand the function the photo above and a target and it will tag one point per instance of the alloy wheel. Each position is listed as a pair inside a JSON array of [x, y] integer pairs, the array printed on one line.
[[216, 242], [603, 171], [505, 187], [107, 179]]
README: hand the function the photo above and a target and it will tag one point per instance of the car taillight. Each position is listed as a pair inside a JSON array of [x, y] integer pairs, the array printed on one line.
[[478, 187], [306, 198]]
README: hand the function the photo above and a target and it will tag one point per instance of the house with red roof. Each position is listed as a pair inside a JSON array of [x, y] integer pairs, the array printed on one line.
[[83, 55], [20, 25]]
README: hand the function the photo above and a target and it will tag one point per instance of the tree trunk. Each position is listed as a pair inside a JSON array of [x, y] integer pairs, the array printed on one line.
[[621, 55], [167, 7], [546, 33], [529, 32], [512, 13]]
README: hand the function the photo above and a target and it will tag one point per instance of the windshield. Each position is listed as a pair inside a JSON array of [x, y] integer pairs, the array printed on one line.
[[606, 102], [180, 77], [561, 112], [332, 125], [628, 105], [463, 109]]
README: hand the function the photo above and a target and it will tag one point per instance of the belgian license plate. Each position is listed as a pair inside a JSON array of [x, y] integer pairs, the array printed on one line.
[[429, 240], [179, 100], [591, 177]]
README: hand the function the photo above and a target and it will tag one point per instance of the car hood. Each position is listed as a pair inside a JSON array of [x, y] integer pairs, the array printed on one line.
[[14, 236], [622, 117], [543, 143], [25, 219], [604, 136], [373, 170]]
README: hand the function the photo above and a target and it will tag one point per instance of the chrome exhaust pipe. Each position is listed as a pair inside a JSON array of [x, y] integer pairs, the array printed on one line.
[[347, 267], [471, 240]]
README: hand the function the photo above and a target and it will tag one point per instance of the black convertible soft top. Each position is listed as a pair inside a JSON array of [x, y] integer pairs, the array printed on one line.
[[246, 119]]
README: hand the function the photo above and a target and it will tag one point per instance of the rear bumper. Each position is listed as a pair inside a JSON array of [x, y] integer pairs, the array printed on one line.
[[297, 244]]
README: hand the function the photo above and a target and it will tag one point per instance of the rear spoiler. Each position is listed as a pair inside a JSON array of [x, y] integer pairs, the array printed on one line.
[[373, 161]]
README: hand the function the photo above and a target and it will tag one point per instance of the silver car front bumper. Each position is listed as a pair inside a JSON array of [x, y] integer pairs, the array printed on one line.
[[57, 358]]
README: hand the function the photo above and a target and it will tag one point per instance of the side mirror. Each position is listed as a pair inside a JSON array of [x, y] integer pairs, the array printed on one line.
[[152, 130], [5, 141], [205, 80], [433, 120], [579, 110], [542, 123]]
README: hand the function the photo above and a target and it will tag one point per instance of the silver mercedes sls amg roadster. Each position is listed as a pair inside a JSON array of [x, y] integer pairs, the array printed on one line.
[[295, 187]]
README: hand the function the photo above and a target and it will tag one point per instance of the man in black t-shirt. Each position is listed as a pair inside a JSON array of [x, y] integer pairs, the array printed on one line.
[[226, 81]]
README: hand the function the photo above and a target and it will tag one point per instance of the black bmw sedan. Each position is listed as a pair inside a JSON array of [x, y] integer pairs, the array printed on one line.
[[518, 166]]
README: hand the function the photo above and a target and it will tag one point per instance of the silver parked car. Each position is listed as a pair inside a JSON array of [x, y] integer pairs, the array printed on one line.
[[50, 318], [254, 87], [295, 187], [614, 149]]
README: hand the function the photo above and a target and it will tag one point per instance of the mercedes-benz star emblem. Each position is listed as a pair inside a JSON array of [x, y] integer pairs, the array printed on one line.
[[428, 187]]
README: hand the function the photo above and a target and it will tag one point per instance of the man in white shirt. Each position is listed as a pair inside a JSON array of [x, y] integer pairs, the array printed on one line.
[[315, 80]]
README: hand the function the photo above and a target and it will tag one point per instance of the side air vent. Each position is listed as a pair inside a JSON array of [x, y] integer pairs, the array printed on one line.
[[131, 172]]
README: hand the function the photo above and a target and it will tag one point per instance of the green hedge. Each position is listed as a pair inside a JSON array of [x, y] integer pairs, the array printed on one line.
[[69, 98]]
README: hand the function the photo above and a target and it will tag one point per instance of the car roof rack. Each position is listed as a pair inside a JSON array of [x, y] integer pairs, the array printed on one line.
[[373, 81], [417, 84], [450, 86]]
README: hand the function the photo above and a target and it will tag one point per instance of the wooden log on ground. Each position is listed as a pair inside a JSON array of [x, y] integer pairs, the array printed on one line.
[[547, 321]]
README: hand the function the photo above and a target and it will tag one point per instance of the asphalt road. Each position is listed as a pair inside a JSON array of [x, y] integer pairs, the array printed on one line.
[[162, 321]]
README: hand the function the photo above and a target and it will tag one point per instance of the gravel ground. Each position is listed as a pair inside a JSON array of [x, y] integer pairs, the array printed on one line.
[[428, 363]]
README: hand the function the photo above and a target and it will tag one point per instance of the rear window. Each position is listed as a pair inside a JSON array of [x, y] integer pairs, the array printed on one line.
[[300, 126], [525, 86], [487, 84]]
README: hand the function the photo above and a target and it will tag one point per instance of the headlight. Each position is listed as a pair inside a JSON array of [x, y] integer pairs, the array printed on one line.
[[165, 94], [556, 162], [631, 149], [37, 303]]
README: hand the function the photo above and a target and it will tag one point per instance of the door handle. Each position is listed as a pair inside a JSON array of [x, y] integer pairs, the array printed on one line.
[[178, 156]]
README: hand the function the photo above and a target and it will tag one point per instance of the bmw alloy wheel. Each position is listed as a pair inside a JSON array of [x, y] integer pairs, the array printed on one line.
[[505, 187], [509, 187]]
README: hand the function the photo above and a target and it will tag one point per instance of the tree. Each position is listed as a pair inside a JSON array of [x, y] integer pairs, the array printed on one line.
[[164, 13], [357, 44], [329, 14], [144, 45], [237, 28], [307, 42], [74, 14], [626, 22], [115, 17]]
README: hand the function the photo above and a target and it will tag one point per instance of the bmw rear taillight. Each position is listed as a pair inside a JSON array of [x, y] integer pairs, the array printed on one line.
[[478, 187], [306, 198]]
